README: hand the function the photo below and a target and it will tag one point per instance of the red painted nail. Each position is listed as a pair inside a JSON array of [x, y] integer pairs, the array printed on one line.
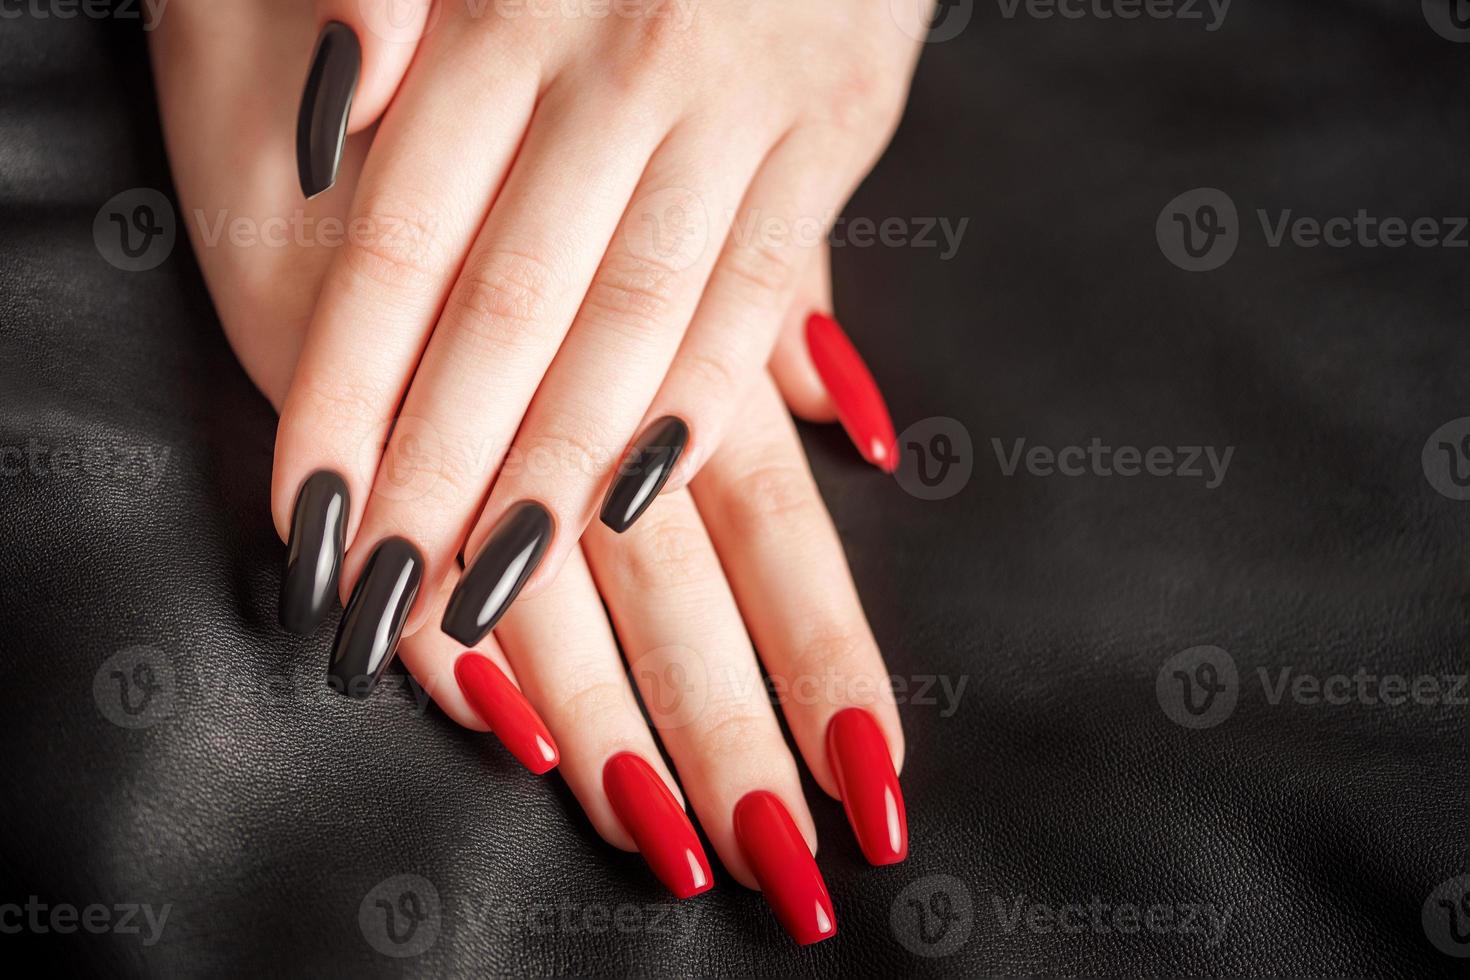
[[859, 403], [868, 785], [657, 824], [784, 866], [505, 709]]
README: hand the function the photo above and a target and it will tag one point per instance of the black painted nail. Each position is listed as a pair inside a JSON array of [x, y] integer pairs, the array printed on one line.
[[645, 472], [496, 576], [321, 126], [314, 554], [374, 619]]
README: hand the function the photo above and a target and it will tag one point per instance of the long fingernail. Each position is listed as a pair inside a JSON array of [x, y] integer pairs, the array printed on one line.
[[502, 706], [645, 472], [321, 125], [657, 824], [859, 403], [784, 866], [868, 785], [374, 619], [314, 553], [495, 577]]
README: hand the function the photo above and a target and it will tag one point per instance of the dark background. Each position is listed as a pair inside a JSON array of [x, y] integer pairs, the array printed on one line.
[[264, 809]]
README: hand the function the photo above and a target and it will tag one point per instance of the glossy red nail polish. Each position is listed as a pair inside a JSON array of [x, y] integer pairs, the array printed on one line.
[[657, 823], [505, 709], [784, 866], [868, 785], [859, 403]]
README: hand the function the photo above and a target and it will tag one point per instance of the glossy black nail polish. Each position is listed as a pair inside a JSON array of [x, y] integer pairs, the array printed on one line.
[[495, 577], [314, 553], [374, 618], [321, 126], [645, 472]]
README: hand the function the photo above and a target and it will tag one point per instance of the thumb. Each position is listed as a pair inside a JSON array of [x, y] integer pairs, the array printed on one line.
[[363, 49]]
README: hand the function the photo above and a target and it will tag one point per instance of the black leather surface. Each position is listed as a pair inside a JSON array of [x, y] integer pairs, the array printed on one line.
[[264, 810]]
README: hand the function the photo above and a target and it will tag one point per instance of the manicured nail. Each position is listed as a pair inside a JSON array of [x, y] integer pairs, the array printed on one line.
[[859, 403], [644, 472], [370, 628], [784, 866], [868, 785], [321, 126], [502, 706], [314, 553], [657, 823], [495, 577]]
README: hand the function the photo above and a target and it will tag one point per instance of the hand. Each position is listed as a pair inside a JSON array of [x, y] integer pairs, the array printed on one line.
[[753, 515], [574, 235]]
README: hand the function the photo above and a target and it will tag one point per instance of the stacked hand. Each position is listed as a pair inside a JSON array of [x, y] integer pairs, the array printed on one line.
[[545, 262]]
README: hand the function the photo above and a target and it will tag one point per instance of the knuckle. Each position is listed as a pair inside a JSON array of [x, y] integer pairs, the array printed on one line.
[[332, 406], [502, 291], [764, 271], [582, 448], [395, 243], [862, 95], [772, 497], [735, 730], [591, 705], [829, 648], [711, 372], [632, 291], [665, 553]]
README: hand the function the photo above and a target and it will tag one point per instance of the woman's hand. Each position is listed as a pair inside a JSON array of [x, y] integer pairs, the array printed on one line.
[[682, 587], [574, 234]]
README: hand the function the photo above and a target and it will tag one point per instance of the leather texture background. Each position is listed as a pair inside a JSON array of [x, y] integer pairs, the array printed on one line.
[[265, 810]]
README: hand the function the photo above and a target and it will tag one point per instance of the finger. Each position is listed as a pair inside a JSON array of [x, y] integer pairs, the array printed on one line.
[[564, 652], [362, 53], [501, 326], [781, 223], [695, 669], [791, 362], [619, 347], [437, 158], [770, 528]]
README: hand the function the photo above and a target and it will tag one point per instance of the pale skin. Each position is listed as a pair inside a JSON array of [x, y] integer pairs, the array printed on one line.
[[521, 316]]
